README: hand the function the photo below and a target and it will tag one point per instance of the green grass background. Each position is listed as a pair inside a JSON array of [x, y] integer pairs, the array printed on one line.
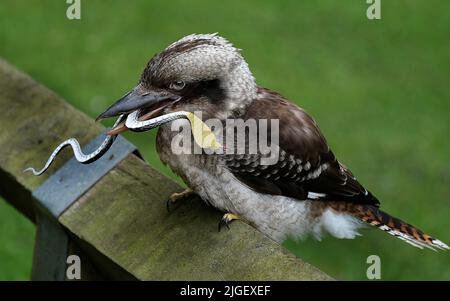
[[378, 89]]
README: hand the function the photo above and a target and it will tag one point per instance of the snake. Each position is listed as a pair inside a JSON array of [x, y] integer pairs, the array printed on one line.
[[79, 155], [202, 134], [133, 123]]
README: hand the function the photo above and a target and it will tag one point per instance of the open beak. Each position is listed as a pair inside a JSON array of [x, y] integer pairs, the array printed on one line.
[[150, 102]]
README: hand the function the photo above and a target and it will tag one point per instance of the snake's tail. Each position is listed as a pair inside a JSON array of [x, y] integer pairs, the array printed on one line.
[[52, 157], [79, 155]]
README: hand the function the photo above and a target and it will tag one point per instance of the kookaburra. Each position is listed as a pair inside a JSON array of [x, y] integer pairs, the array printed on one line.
[[307, 191]]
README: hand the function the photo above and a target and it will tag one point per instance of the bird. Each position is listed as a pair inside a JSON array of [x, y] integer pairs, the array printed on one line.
[[307, 192]]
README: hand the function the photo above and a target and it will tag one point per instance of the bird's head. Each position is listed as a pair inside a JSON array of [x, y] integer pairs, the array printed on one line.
[[200, 72]]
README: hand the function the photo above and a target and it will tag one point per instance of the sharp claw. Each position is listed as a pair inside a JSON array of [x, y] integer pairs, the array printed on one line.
[[222, 222], [168, 203], [226, 220], [174, 198]]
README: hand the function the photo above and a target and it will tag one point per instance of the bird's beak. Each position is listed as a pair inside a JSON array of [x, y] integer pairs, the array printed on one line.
[[136, 99], [153, 100]]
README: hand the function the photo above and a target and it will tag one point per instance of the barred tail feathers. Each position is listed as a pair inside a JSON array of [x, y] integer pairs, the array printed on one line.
[[392, 225], [398, 228]]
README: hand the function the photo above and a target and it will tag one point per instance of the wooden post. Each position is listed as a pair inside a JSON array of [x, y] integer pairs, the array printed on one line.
[[121, 224]]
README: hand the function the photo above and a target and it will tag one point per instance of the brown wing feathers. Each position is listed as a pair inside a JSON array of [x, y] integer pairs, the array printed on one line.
[[306, 164]]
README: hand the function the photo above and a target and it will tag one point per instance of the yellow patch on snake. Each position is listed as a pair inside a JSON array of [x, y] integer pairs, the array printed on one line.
[[203, 135]]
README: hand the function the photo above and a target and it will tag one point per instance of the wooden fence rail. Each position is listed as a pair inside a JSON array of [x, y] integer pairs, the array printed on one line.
[[120, 227]]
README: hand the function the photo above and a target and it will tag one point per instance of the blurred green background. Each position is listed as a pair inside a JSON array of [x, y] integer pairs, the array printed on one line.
[[378, 89]]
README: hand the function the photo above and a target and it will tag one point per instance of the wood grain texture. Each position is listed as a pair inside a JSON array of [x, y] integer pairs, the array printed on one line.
[[34, 120], [123, 218]]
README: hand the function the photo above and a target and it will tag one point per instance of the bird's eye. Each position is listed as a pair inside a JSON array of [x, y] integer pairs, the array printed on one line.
[[177, 85]]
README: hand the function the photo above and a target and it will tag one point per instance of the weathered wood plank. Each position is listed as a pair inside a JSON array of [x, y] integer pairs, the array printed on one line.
[[34, 120], [123, 218], [183, 244]]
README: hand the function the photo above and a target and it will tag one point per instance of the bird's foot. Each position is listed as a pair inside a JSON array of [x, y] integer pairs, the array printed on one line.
[[178, 196], [226, 220]]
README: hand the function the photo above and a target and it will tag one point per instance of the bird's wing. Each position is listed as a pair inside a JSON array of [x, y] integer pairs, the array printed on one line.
[[306, 168]]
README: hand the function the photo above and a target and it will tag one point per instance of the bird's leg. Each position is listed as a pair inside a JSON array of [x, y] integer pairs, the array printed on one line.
[[178, 196], [226, 219]]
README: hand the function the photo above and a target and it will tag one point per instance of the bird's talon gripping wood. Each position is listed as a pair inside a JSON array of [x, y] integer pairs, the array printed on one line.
[[226, 220], [177, 197]]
